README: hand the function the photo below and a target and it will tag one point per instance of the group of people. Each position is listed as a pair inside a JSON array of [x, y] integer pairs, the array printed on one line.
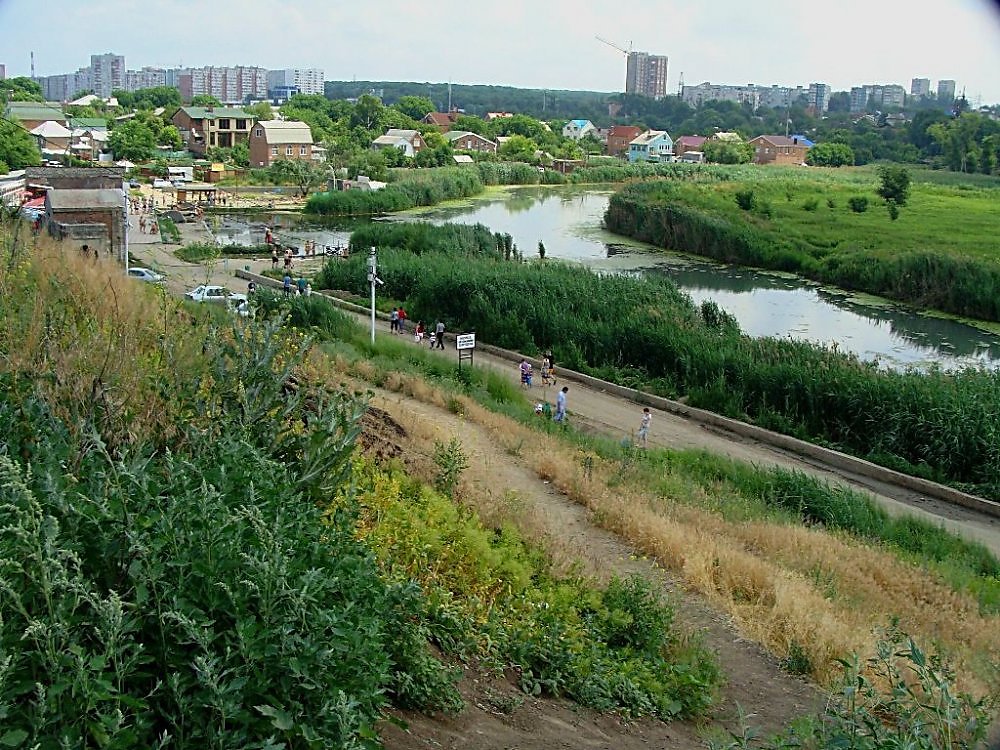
[[435, 337], [302, 286], [153, 225], [548, 371]]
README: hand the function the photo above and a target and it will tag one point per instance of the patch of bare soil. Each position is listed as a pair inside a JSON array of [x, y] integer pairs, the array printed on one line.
[[498, 715]]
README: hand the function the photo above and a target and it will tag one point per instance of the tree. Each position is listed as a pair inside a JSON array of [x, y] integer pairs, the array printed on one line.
[[134, 140], [367, 112], [894, 188], [170, 136], [471, 124], [727, 152], [830, 155], [416, 107], [260, 111], [304, 174], [20, 89], [240, 154], [205, 100], [518, 148], [17, 147]]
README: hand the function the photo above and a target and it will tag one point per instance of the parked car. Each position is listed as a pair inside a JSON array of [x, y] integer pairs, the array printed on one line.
[[145, 274], [134, 184], [211, 293]]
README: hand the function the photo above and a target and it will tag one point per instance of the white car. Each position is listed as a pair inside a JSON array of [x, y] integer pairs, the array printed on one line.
[[209, 293], [145, 274]]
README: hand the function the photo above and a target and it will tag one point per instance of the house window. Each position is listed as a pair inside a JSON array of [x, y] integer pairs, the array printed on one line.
[[274, 150], [302, 150], [241, 124], [223, 124], [258, 133], [288, 150]]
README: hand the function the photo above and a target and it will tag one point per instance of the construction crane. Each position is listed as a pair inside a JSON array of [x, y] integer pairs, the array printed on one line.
[[624, 51]]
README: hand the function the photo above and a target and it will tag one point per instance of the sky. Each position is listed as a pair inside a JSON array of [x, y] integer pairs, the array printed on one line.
[[529, 43]]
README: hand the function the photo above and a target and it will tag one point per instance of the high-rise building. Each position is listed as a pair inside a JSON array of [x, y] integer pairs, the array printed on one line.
[[65, 86], [819, 97], [228, 85], [893, 95], [306, 80], [946, 92], [920, 87], [3, 71], [646, 75], [107, 73], [147, 78], [713, 92], [859, 98]]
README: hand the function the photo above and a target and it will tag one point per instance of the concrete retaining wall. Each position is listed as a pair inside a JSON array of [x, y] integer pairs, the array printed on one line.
[[830, 457]]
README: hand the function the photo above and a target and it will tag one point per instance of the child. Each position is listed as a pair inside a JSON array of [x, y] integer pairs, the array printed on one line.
[[647, 418], [418, 332], [432, 337]]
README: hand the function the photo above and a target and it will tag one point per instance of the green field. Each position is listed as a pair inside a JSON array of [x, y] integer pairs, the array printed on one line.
[[942, 252]]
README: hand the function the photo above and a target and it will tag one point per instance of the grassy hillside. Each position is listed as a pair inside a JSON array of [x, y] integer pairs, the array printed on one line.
[[941, 253], [195, 554]]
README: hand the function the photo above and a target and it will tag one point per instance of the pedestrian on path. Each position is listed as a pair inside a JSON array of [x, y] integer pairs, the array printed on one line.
[[402, 320], [439, 331], [302, 285], [560, 415], [643, 435], [287, 285], [274, 259], [394, 320]]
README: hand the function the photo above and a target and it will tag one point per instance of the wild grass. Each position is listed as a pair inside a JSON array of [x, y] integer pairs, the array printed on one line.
[[643, 332], [928, 258], [806, 568]]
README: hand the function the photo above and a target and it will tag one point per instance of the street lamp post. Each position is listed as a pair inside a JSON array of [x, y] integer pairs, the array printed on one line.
[[372, 279]]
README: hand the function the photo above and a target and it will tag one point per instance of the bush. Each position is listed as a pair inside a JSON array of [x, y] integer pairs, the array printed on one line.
[[744, 199], [858, 203], [810, 204]]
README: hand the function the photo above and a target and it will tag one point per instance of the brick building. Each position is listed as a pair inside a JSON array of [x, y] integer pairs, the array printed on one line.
[[467, 141], [271, 140], [207, 127], [91, 217], [619, 137], [778, 149]]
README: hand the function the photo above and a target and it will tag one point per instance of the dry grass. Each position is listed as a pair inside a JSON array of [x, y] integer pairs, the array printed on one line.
[[827, 594], [76, 317]]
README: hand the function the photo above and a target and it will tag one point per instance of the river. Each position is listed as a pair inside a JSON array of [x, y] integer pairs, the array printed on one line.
[[568, 220]]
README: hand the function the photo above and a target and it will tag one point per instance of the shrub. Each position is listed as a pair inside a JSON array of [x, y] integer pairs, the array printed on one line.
[[810, 204], [858, 203], [744, 199]]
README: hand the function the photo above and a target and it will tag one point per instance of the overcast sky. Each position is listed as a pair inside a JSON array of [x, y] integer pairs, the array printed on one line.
[[529, 43]]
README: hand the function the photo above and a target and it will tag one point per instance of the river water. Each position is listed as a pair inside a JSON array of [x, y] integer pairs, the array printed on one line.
[[568, 220]]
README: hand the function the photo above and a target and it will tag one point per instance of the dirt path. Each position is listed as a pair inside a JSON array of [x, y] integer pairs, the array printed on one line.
[[496, 717], [615, 416]]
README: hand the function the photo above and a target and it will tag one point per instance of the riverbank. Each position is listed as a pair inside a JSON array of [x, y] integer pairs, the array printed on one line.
[[807, 222]]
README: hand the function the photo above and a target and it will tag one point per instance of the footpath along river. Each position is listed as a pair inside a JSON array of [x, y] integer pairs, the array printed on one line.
[[569, 221]]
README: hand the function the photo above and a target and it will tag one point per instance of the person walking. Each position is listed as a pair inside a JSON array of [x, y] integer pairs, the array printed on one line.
[[302, 285], [643, 434], [394, 320], [274, 259], [402, 320], [560, 415], [439, 332], [287, 285]]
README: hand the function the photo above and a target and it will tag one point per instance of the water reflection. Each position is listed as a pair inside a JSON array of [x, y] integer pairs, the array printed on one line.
[[568, 220]]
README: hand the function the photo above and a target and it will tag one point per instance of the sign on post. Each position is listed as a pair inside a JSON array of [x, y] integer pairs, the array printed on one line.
[[466, 345]]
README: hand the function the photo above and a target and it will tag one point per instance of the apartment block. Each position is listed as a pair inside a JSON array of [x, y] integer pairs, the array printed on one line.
[[709, 92], [920, 87], [946, 92], [65, 86], [147, 78], [646, 75], [859, 98], [306, 80], [227, 84], [819, 97], [107, 73]]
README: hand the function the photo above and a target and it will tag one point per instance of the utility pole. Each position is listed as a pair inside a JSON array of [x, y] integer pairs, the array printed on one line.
[[373, 279]]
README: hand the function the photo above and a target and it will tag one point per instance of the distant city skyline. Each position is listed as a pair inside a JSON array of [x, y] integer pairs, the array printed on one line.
[[524, 44]]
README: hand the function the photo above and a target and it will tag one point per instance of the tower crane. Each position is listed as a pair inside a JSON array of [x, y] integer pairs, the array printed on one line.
[[624, 51]]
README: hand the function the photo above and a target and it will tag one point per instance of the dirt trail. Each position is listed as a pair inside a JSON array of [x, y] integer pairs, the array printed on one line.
[[755, 681], [613, 415]]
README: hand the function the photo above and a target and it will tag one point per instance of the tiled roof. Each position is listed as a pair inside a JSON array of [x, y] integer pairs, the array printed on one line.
[[439, 118], [691, 140], [36, 111], [648, 137], [777, 140]]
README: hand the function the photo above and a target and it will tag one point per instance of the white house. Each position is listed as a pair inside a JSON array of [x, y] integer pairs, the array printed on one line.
[[410, 142], [577, 129], [653, 145]]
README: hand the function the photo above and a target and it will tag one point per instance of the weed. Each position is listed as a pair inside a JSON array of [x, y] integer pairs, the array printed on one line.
[[810, 204], [858, 203], [745, 199], [451, 461]]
